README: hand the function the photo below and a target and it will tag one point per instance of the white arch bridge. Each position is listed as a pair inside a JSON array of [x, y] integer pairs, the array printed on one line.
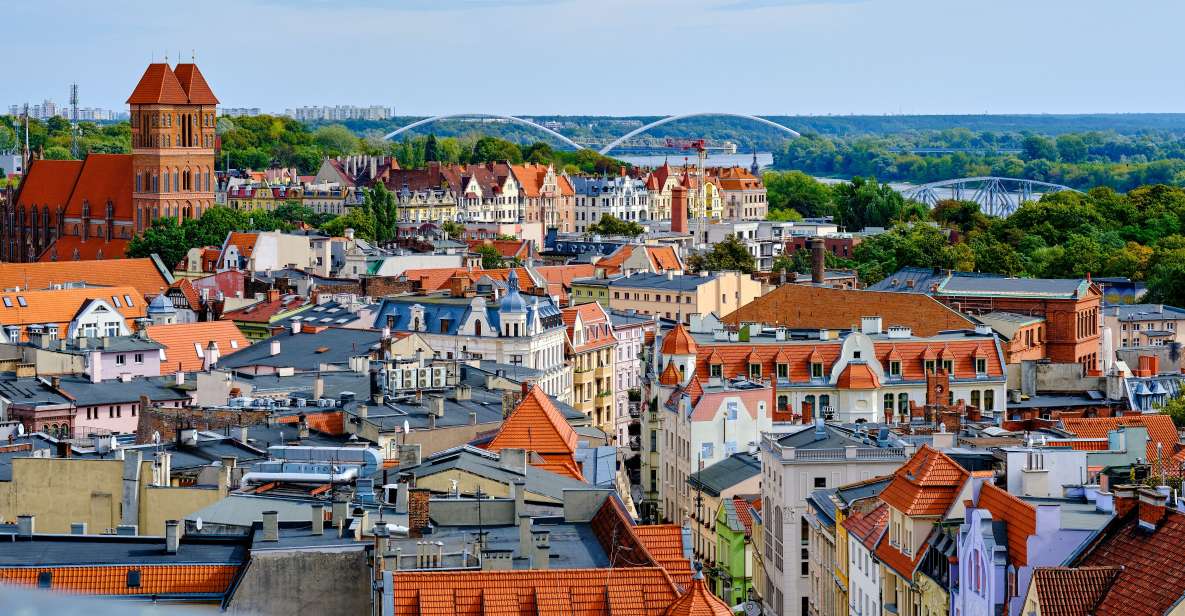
[[566, 141], [996, 196]]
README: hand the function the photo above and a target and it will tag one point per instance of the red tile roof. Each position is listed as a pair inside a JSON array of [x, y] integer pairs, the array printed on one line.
[[1153, 578], [1021, 518], [73, 248], [158, 85], [143, 274], [634, 591], [266, 311], [192, 297], [670, 376], [509, 249], [49, 182], [179, 340], [926, 485], [679, 342], [113, 579], [1063, 591], [1160, 430], [735, 357], [857, 376], [867, 527], [194, 84], [60, 306], [665, 544], [808, 307], [598, 331], [744, 508], [698, 601], [537, 426]]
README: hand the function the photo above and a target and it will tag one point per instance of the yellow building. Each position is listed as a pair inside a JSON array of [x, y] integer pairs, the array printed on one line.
[[592, 351], [431, 205], [678, 296], [105, 493]]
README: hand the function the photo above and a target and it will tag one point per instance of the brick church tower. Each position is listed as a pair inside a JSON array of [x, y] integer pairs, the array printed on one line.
[[173, 116]]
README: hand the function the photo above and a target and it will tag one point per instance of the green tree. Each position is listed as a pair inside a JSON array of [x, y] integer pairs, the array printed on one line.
[[492, 149], [430, 148], [356, 218], [295, 211], [731, 255], [380, 203], [1071, 148], [1035, 147], [867, 203], [490, 257], [613, 226], [1166, 283], [453, 229], [213, 226], [336, 140], [787, 215], [165, 238], [1175, 409], [58, 152], [795, 190]]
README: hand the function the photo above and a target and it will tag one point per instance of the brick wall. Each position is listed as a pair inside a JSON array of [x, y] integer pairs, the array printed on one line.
[[167, 421]]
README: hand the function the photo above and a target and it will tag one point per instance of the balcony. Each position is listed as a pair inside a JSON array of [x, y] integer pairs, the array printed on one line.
[[583, 377], [604, 372]]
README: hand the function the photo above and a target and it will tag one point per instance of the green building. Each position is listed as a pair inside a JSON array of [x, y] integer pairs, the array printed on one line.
[[733, 573]]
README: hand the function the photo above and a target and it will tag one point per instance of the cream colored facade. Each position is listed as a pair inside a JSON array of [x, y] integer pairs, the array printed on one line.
[[103, 493], [720, 293]]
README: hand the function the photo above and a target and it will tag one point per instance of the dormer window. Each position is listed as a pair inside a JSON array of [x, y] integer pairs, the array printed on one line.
[[754, 371], [816, 370], [948, 366], [930, 366], [783, 371], [716, 371], [980, 366], [895, 368]]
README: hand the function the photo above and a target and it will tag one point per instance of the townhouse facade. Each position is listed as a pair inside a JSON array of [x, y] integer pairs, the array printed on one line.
[[592, 352], [621, 197], [682, 296]]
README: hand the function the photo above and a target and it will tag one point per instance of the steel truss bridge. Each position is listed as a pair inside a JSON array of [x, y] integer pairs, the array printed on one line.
[[566, 141], [996, 196]]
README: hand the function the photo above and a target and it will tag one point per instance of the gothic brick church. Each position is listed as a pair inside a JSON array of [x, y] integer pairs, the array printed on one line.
[[90, 209]]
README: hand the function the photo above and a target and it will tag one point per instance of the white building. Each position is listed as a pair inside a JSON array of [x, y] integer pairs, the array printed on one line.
[[622, 197]]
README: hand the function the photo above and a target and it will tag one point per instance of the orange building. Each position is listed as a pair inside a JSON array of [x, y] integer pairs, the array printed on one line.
[[91, 209]]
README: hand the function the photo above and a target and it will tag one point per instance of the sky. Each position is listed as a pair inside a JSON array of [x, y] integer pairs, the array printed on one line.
[[615, 57]]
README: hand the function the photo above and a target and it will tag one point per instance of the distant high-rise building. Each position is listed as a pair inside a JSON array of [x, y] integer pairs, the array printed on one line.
[[340, 112], [238, 112]]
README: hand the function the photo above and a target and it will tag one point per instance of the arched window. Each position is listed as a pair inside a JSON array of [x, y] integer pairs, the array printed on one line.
[[989, 400], [476, 328], [903, 403], [975, 398]]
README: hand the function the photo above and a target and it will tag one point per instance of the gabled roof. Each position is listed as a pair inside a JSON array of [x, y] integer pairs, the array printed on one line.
[[194, 84], [867, 527], [1152, 580], [594, 320], [1064, 591], [158, 85], [1160, 430], [808, 307], [665, 544], [536, 425], [678, 342], [1021, 518], [857, 376], [49, 183], [63, 305], [180, 340], [143, 274], [926, 485]]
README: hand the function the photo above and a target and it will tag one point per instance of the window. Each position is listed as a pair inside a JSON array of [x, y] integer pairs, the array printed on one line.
[[975, 398], [20, 300], [989, 400], [139, 358], [903, 403], [980, 365], [929, 365], [121, 360], [654, 440], [732, 411], [948, 366], [894, 368], [45, 579], [8, 302], [888, 404], [783, 371], [754, 371], [820, 482], [705, 451], [816, 370], [716, 371], [133, 578]]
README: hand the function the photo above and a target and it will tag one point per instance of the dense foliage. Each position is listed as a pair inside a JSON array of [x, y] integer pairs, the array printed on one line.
[[1078, 160], [171, 241], [731, 254], [52, 138], [1139, 235], [613, 226]]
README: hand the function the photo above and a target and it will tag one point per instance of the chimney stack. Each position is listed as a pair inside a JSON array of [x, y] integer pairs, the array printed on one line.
[[25, 525], [172, 536], [418, 511], [338, 514], [541, 540], [317, 515], [678, 209], [1125, 499], [818, 260], [271, 526], [274, 348], [525, 544], [1152, 507]]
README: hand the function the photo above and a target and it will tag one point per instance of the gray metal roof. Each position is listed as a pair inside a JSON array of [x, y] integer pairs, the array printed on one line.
[[305, 351], [50, 550], [1056, 288], [86, 393], [487, 464], [1145, 312], [676, 282], [730, 471]]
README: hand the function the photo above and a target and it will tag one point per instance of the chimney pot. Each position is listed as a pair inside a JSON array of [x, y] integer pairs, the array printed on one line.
[[317, 516], [271, 526], [172, 536]]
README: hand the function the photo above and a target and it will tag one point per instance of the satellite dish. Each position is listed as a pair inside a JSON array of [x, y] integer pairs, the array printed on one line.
[[198, 523]]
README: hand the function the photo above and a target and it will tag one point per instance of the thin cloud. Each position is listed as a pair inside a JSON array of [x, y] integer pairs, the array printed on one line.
[[750, 5]]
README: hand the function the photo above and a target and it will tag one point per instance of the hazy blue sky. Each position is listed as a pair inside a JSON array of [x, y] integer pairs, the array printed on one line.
[[617, 56]]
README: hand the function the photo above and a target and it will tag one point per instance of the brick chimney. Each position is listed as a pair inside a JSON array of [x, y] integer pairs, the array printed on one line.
[[1152, 508], [678, 209], [818, 260], [417, 511], [1125, 499]]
